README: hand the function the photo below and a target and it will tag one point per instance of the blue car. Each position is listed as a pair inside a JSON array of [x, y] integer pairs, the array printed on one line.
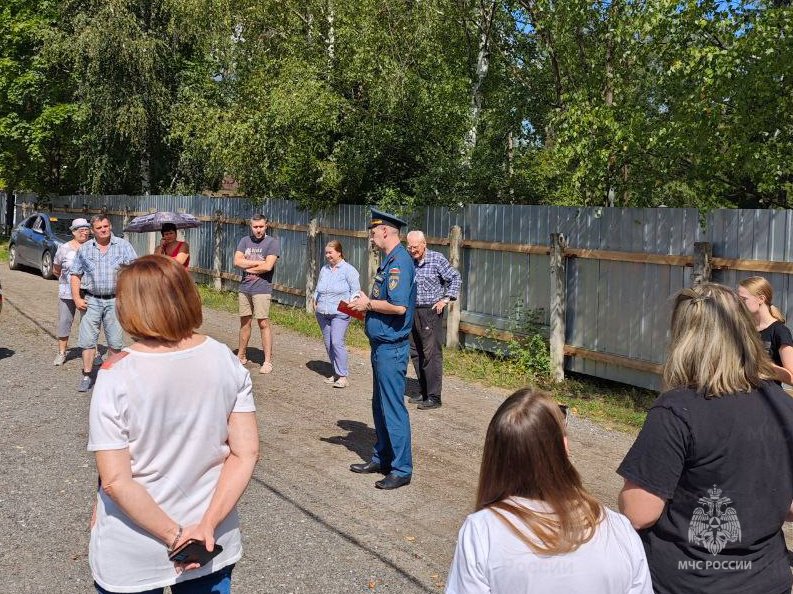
[[36, 239]]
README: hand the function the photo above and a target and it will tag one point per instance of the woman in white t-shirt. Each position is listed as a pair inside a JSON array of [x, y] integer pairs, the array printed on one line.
[[61, 264], [536, 529], [173, 425]]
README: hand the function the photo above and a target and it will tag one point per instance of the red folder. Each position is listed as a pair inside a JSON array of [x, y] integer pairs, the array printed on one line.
[[344, 308]]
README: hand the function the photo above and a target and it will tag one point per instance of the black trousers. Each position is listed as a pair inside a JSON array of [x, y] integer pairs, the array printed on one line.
[[426, 351]]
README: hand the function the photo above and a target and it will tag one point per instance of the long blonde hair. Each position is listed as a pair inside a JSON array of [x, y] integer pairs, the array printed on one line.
[[525, 456], [714, 348], [760, 287]]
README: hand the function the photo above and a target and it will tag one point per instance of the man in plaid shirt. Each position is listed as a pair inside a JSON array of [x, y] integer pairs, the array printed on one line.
[[437, 283], [96, 268]]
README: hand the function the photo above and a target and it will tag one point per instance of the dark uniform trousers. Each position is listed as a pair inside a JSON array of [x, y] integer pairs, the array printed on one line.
[[391, 419], [426, 351]]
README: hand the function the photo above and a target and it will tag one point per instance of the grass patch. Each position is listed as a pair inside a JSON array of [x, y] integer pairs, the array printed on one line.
[[3, 248], [612, 404]]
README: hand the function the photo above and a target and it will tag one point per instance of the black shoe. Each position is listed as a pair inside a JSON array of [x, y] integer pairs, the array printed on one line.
[[429, 404], [393, 481], [416, 399], [367, 468]]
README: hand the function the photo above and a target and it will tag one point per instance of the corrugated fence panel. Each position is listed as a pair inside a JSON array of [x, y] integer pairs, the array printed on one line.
[[754, 235], [613, 307]]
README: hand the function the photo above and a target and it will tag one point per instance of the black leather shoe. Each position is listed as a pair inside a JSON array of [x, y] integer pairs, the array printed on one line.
[[416, 399], [367, 468], [393, 481], [429, 404]]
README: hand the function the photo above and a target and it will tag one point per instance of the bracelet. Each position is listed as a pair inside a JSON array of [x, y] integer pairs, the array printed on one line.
[[369, 305], [175, 540]]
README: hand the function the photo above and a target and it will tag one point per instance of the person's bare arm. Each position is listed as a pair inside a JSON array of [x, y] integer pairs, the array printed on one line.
[[74, 285], [241, 262], [641, 507], [184, 253], [786, 354], [265, 265], [234, 477], [115, 472]]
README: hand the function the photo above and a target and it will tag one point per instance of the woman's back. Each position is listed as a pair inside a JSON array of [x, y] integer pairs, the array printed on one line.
[[491, 558], [170, 410], [725, 466]]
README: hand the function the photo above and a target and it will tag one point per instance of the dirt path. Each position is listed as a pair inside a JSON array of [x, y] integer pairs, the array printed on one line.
[[309, 524]]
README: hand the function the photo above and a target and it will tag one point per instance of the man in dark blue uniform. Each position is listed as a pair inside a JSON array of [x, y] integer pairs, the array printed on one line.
[[389, 319]]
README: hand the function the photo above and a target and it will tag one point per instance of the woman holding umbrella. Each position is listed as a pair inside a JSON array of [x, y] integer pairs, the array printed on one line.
[[170, 246]]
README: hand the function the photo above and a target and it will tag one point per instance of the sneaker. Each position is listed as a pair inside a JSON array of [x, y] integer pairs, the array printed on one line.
[[60, 359], [340, 383], [330, 380], [267, 367], [85, 384]]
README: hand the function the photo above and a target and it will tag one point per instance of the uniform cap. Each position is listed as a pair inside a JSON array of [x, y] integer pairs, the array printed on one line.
[[383, 218]]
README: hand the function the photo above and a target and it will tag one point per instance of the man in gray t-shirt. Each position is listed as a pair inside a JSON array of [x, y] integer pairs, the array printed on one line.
[[256, 254]]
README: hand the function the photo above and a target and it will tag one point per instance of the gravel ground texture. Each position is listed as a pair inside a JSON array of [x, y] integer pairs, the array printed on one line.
[[309, 524]]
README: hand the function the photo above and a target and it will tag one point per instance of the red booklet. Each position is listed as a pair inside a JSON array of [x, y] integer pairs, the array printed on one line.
[[344, 308]]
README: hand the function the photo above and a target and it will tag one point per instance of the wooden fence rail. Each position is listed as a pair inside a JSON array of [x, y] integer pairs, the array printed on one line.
[[558, 251]]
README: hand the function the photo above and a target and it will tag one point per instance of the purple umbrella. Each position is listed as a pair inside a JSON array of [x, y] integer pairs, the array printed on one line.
[[155, 220]]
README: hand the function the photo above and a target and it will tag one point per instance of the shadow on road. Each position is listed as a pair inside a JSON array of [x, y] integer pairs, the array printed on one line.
[[322, 368], [360, 438], [6, 353], [254, 355]]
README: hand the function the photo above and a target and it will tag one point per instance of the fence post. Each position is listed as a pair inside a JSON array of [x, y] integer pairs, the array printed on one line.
[[125, 220], [312, 263], [558, 305], [703, 252], [217, 262], [454, 307]]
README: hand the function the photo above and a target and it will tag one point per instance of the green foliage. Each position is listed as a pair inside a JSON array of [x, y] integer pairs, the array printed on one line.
[[528, 349], [406, 104]]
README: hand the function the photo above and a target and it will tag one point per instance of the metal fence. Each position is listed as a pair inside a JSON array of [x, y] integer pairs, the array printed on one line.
[[623, 264]]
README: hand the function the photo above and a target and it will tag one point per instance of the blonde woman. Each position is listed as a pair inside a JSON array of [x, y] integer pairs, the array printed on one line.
[[709, 480], [536, 529], [757, 294]]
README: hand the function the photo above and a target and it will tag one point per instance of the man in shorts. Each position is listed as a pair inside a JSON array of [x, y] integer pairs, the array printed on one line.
[[256, 254], [96, 267]]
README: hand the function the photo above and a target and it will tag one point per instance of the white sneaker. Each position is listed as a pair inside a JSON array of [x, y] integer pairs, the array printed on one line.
[[60, 359], [329, 380], [340, 383]]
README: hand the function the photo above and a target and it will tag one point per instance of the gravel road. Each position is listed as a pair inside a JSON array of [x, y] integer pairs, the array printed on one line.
[[309, 525]]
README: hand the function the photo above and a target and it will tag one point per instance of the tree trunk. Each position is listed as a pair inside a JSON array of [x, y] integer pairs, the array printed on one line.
[[486, 16]]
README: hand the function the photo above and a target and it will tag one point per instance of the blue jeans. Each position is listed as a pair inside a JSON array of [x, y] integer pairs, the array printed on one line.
[[334, 327], [100, 312], [218, 582]]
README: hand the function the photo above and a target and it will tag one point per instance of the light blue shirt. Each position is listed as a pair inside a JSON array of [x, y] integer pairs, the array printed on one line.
[[334, 284]]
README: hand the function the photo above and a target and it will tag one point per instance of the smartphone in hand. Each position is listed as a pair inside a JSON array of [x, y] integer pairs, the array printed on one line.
[[194, 551]]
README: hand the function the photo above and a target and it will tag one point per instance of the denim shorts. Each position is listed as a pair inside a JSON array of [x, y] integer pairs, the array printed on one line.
[[100, 312], [218, 582]]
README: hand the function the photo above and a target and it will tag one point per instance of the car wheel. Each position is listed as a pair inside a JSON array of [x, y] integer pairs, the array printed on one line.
[[12, 257], [46, 265]]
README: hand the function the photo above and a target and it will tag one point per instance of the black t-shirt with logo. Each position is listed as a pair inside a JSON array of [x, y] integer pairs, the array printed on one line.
[[725, 468], [774, 337]]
